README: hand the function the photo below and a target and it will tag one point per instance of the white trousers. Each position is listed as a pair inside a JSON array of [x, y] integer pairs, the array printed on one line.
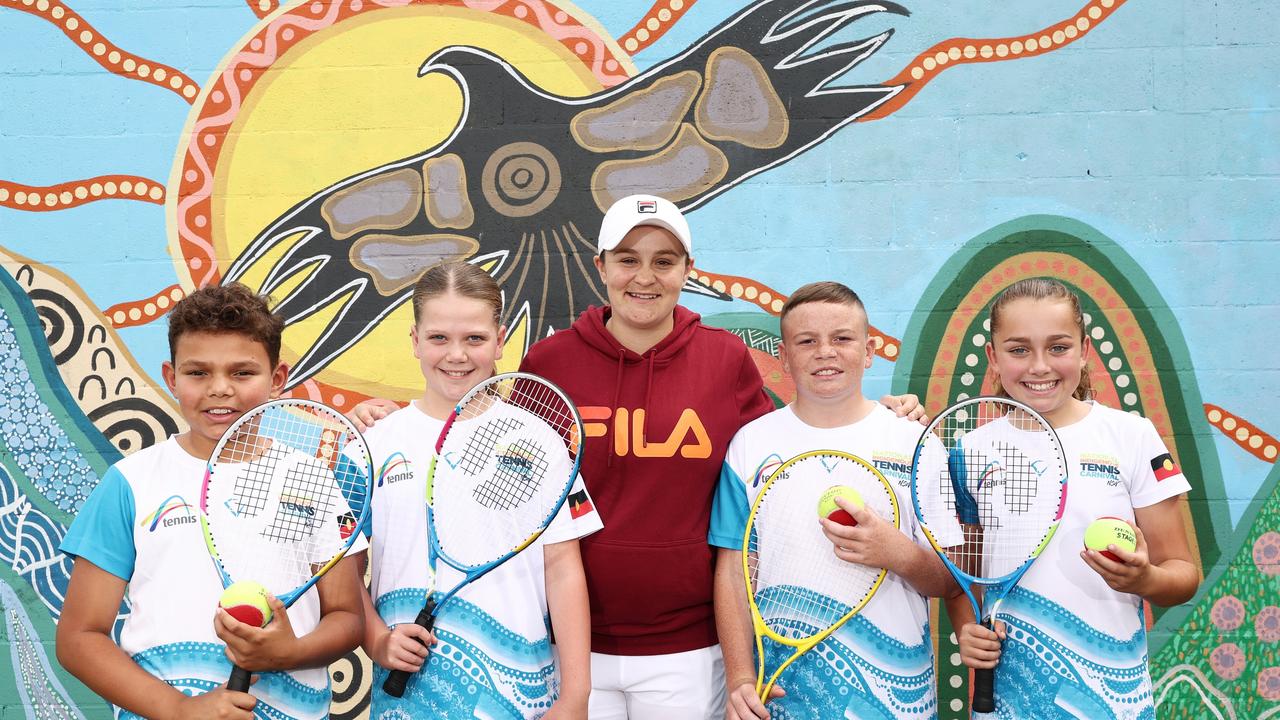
[[679, 686]]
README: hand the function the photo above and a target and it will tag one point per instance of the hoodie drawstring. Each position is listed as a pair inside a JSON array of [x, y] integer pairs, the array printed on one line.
[[617, 392], [648, 389]]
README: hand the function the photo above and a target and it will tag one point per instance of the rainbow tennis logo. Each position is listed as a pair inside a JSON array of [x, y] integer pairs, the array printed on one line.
[[167, 514], [395, 469], [771, 463]]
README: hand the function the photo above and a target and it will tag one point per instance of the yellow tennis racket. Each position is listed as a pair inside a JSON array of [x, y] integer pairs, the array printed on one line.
[[799, 591]]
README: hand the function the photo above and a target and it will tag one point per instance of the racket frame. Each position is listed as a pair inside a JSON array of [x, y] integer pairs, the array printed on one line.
[[759, 626], [994, 590], [397, 680], [240, 678]]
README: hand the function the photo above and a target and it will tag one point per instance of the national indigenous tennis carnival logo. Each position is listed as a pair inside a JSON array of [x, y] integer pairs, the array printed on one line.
[[173, 511], [1101, 467], [893, 466], [395, 469]]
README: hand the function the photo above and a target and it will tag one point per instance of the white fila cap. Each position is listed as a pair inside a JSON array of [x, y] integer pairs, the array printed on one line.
[[636, 210]]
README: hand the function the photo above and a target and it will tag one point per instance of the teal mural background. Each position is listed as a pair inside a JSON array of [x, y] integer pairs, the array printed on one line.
[[1147, 150]]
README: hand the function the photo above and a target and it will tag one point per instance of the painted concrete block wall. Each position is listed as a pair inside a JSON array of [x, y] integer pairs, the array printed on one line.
[[1130, 148]]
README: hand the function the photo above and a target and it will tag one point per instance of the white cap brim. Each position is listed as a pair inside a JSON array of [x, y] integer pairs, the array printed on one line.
[[636, 211]]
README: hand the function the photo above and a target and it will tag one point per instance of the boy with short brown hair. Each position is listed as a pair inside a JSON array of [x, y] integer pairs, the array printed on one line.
[[139, 532]]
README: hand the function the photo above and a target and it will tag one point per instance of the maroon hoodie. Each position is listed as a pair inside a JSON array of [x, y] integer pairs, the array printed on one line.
[[658, 426]]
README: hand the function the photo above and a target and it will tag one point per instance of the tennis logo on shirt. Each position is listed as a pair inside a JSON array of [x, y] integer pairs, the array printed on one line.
[[173, 511], [1101, 467], [631, 435], [395, 469], [766, 469], [894, 466], [1164, 467]]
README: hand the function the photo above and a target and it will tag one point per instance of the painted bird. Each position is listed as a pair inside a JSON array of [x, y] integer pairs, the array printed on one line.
[[523, 180]]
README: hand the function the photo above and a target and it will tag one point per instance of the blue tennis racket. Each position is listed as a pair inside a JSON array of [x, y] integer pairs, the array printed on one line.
[[989, 485], [504, 464], [285, 495]]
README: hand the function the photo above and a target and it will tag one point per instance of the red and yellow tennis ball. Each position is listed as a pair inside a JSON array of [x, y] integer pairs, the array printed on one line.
[[828, 508], [1110, 531], [246, 601]]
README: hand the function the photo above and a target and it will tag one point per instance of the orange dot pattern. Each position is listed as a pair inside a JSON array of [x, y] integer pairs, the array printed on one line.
[[742, 288], [1243, 433], [104, 52], [655, 23], [263, 8], [959, 51], [233, 86], [46, 198], [340, 399], [1129, 336], [141, 312]]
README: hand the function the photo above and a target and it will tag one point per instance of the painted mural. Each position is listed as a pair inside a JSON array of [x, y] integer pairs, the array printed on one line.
[[328, 151]]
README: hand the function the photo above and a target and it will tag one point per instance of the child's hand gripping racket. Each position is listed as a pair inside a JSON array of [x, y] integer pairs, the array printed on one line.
[[798, 590], [989, 484], [285, 495], [504, 464]]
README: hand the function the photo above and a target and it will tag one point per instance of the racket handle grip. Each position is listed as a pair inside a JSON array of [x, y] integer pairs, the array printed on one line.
[[397, 680], [984, 696], [239, 680]]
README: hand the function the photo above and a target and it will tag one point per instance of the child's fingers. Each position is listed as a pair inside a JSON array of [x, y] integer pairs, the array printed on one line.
[[417, 634], [1104, 566], [413, 646], [838, 534], [243, 700], [228, 628], [404, 658], [981, 635], [279, 616], [981, 662], [744, 705], [982, 648]]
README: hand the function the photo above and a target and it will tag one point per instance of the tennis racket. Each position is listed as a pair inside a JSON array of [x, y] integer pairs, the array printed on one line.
[[989, 484], [799, 591], [285, 495], [504, 464]]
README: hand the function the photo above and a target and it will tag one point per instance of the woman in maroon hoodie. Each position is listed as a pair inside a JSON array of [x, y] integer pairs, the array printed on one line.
[[661, 395]]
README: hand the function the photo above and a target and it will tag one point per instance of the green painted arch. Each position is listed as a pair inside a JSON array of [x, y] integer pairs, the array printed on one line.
[[1172, 361]]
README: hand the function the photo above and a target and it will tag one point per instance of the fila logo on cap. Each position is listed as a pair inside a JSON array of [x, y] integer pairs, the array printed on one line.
[[646, 206]]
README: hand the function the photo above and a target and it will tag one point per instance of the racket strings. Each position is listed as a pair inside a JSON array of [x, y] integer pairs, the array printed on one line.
[[284, 494], [999, 490], [520, 471], [799, 586], [508, 460], [305, 503], [481, 443], [253, 485]]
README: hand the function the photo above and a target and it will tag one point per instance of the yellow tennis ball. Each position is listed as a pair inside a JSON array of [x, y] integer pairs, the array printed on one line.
[[1110, 531], [828, 508], [246, 601]]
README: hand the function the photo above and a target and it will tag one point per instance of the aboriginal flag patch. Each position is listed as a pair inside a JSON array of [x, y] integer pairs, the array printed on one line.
[[1164, 466], [579, 504], [346, 525]]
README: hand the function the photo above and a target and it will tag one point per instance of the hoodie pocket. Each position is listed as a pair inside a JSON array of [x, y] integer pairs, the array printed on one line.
[[647, 589]]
